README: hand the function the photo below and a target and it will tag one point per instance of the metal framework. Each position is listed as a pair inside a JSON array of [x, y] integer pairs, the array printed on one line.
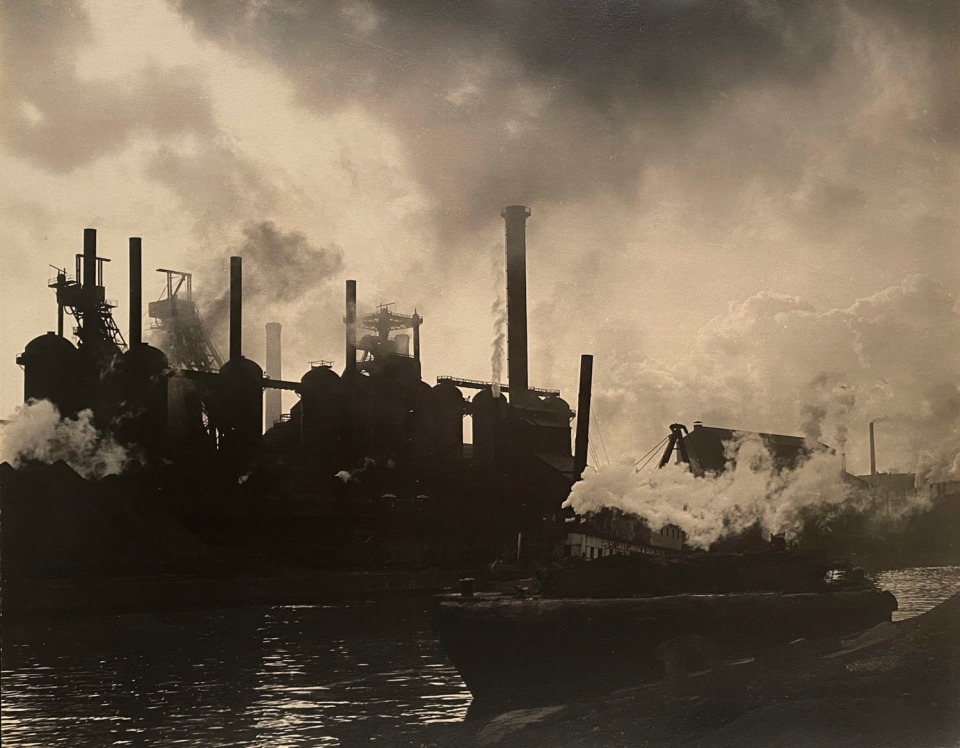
[[89, 307], [176, 315]]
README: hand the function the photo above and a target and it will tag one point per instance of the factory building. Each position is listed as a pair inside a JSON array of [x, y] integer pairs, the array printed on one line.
[[368, 454]]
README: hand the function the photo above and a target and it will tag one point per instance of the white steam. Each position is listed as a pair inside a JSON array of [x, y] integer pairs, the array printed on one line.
[[498, 343], [499, 338], [37, 433], [751, 489]]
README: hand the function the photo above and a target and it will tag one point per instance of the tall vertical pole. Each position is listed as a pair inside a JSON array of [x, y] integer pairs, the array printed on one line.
[[236, 307], [136, 293], [583, 415], [515, 219], [89, 258], [272, 397], [873, 452], [350, 326]]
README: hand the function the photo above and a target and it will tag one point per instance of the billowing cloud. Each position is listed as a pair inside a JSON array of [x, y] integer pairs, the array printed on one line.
[[776, 363]]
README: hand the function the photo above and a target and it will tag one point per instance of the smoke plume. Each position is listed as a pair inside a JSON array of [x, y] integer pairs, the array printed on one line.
[[37, 433], [279, 268], [499, 310], [750, 490]]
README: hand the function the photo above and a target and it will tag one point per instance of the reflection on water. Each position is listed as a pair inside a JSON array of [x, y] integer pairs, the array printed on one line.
[[263, 676], [292, 676], [918, 590]]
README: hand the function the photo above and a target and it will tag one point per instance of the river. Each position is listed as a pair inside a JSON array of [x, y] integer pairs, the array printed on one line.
[[363, 672]]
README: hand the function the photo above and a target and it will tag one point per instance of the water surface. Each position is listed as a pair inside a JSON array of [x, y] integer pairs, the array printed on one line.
[[293, 676]]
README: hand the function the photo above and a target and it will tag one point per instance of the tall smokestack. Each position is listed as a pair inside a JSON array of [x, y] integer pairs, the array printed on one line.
[[236, 306], [136, 293], [873, 452], [89, 258], [583, 415], [350, 324], [273, 406], [515, 218]]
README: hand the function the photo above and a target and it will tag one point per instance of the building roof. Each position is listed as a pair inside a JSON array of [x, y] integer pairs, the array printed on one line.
[[705, 447]]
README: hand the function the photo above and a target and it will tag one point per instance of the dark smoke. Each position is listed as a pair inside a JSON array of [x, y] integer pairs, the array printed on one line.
[[503, 102], [278, 268]]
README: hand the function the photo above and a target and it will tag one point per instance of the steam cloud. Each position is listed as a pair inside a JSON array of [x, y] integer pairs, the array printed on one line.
[[774, 363], [37, 433], [750, 490]]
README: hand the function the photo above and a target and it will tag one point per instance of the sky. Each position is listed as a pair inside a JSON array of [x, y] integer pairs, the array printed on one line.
[[748, 212]]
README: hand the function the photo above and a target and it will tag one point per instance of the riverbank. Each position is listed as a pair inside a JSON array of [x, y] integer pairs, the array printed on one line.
[[897, 684]]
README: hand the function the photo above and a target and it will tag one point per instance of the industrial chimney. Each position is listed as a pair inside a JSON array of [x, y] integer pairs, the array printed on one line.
[[273, 406], [236, 306], [583, 416], [136, 293], [89, 258], [873, 452], [350, 325], [515, 220]]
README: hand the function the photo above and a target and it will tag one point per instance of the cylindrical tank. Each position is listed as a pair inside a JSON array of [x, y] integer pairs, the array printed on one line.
[[237, 408], [145, 371], [321, 413], [51, 371], [419, 424], [185, 430], [489, 426], [448, 409], [556, 438]]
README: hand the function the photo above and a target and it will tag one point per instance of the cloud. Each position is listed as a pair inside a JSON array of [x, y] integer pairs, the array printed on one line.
[[61, 121], [774, 363]]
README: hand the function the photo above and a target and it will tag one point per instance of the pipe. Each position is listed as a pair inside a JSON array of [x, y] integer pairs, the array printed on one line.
[[136, 293], [350, 322], [236, 307], [89, 258], [273, 406], [515, 219], [873, 452], [417, 320], [583, 415]]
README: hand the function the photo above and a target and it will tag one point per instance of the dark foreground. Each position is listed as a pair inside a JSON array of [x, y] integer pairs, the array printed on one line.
[[898, 684]]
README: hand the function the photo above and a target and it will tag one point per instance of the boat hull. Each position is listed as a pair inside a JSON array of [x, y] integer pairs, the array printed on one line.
[[515, 652]]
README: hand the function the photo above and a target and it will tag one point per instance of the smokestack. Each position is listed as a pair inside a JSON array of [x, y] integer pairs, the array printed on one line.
[[236, 306], [515, 219], [136, 293], [89, 258], [273, 406], [350, 322], [873, 452], [583, 415]]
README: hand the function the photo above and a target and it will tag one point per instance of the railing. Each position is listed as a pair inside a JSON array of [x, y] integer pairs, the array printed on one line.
[[478, 384]]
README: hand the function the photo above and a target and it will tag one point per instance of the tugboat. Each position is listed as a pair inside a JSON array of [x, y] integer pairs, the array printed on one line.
[[683, 616]]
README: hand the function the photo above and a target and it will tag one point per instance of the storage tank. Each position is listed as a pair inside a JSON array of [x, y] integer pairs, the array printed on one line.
[[237, 408], [145, 372], [51, 371], [448, 409], [489, 427], [419, 424], [321, 414]]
